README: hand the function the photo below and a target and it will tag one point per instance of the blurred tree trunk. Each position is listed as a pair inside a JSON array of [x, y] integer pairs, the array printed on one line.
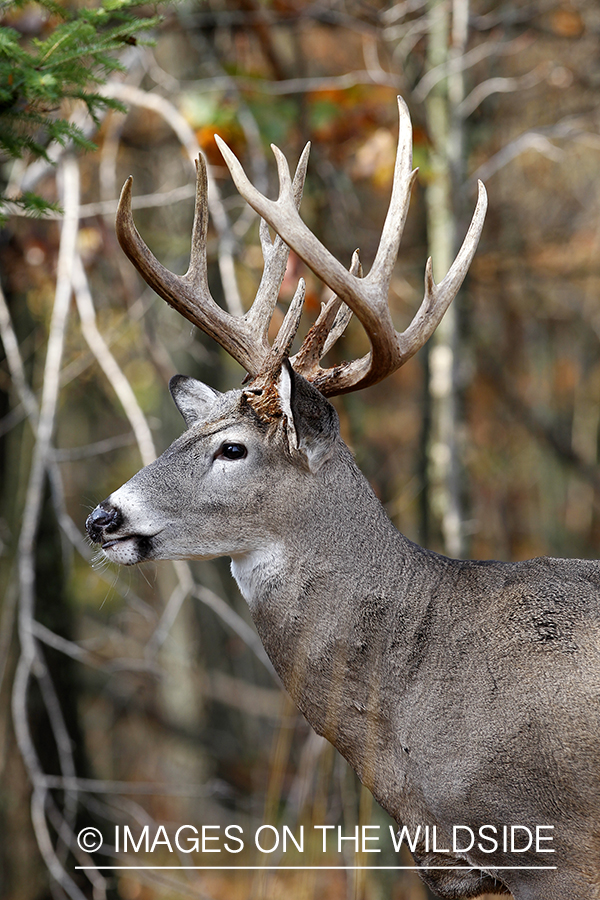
[[448, 30]]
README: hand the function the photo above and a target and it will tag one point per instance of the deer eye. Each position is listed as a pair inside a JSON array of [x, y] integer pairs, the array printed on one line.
[[232, 451]]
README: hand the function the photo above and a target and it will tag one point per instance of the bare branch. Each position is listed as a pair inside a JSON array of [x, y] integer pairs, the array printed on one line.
[[97, 448], [109, 365], [15, 362], [186, 136], [399, 10], [109, 207], [531, 140], [144, 788], [38, 817], [225, 613], [500, 86], [30, 660], [465, 61]]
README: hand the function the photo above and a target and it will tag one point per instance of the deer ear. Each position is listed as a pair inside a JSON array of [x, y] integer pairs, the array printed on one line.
[[193, 399], [314, 420]]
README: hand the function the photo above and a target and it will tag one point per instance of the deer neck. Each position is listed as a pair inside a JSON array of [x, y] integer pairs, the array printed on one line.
[[328, 600]]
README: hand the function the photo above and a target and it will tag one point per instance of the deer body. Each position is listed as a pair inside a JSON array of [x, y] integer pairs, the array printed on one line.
[[462, 693], [451, 687]]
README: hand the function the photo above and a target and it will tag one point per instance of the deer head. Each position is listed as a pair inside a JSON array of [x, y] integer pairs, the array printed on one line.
[[264, 406], [200, 499]]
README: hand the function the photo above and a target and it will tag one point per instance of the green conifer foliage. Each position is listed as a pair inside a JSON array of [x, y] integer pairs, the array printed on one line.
[[43, 77]]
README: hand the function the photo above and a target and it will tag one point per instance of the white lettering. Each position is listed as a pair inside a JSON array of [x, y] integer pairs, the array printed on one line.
[[404, 834], [234, 838], [513, 832], [265, 828], [158, 840], [287, 833], [455, 830], [344, 837], [485, 837], [543, 837], [210, 837], [368, 837], [324, 829], [144, 838], [193, 844]]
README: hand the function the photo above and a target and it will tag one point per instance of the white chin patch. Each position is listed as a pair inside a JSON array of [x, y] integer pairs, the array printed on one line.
[[125, 553]]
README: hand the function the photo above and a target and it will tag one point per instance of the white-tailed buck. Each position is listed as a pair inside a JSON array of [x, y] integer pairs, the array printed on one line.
[[462, 693]]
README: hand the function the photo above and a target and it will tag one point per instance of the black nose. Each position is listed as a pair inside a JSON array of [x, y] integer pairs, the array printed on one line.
[[103, 518]]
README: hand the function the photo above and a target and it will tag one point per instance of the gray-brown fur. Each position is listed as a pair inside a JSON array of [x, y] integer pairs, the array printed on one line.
[[462, 693]]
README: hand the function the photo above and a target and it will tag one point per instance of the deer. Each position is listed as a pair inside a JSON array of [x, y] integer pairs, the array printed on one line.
[[463, 693]]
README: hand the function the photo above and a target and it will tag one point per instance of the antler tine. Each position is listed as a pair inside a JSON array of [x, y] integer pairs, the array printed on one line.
[[245, 338], [283, 216], [393, 227], [367, 297], [438, 297], [287, 332], [331, 323], [197, 270], [276, 254], [189, 294], [356, 293]]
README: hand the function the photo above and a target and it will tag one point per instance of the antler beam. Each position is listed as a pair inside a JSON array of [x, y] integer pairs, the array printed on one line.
[[245, 338], [367, 297]]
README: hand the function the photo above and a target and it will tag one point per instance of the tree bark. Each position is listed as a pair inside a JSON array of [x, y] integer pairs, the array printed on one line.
[[448, 29]]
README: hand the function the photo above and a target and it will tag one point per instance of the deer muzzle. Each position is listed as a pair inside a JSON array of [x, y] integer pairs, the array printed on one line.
[[102, 521]]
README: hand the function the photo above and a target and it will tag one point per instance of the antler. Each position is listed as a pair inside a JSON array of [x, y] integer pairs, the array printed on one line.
[[245, 338], [366, 297]]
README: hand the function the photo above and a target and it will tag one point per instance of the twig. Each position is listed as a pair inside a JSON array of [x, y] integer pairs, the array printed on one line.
[[81, 655], [109, 365], [407, 35], [97, 448], [531, 140], [463, 62], [186, 136], [399, 10], [109, 207], [376, 72], [145, 788], [224, 612], [66, 834], [40, 825], [500, 86], [15, 363], [571, 127], [172, 607]]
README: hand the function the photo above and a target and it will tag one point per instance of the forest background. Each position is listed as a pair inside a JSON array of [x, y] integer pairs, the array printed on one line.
[[143, 697]]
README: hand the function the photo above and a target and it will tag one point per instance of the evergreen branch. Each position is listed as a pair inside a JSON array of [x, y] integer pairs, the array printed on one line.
[[38, 75]]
